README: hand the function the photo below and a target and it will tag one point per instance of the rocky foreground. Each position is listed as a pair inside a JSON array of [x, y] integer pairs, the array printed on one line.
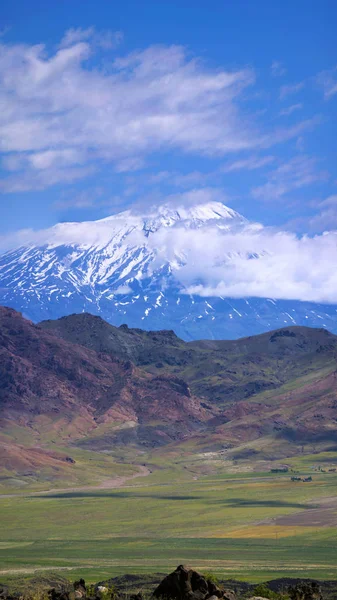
[[182, 584]]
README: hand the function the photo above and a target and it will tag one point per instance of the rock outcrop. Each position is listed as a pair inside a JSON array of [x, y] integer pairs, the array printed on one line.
[[186, 584], [306, 590]]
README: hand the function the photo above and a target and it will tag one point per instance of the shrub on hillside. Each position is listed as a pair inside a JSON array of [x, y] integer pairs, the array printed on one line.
[[211, 577], [265, 592]]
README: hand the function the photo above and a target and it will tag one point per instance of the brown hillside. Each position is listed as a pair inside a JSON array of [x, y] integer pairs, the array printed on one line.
[[42, 375]]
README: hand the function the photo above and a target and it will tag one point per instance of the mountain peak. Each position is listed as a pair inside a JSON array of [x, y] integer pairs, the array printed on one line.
[[166, 215], [206, 211], [141, 267]]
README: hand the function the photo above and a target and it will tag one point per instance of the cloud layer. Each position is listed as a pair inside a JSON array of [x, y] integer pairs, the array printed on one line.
[[293, 175], [67, 112], [243, 261], [60, 114], [254, 262]]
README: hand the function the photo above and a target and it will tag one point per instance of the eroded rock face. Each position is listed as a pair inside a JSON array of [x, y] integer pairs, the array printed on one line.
[[186, 584]]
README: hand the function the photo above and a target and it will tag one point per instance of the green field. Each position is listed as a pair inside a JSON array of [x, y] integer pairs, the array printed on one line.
[[246, 526]]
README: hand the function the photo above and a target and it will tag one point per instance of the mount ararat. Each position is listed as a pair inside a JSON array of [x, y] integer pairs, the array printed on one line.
[[154, 270]]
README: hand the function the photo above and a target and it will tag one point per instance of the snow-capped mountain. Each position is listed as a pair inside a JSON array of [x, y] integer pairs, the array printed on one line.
[[141, 269]]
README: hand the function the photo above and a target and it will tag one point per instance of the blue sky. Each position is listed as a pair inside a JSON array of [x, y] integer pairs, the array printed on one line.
[[106, 104]]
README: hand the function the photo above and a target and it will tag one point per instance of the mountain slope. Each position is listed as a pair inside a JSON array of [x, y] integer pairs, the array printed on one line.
[[70, 384], [137, 268], [221, 371], [49, 383], [277, 389]]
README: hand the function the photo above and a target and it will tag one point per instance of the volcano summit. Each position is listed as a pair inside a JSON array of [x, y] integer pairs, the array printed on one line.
[[202, 270]]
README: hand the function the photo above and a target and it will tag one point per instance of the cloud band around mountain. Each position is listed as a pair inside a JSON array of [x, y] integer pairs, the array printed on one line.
[[241, 260]]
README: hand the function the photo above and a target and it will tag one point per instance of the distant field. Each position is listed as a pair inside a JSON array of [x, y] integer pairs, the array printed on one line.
[[248, 526]]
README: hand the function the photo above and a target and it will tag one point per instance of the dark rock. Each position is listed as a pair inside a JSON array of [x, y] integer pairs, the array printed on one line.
[[80, 591], [3, 592], [138, 596], [214, 590], [229, 595], [305, 590], [186, 584], [68, 459], [57, 594], [282, 333], [197, 595]]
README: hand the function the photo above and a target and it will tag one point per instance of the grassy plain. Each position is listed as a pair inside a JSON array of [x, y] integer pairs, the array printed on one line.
[[253, 526]]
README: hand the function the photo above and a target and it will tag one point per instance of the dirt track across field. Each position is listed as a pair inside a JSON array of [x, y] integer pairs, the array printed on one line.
[[107, 484]]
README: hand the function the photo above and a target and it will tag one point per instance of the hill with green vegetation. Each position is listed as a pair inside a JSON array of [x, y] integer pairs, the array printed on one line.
[[124, 451], [80, 397], [272, 395]]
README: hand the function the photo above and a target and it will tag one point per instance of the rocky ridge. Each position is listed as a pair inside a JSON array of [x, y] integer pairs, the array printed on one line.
[[182, 584]]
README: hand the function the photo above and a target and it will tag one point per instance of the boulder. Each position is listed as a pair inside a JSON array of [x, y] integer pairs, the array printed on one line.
[[228, 595], [214, 590], [80, 591], [186, 584]]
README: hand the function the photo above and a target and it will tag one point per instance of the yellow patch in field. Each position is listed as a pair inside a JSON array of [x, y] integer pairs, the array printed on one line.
[[265, 531]]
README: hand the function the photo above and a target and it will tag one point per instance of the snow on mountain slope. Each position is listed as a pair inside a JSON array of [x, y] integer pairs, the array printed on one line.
[[136, 268], [98, 257]]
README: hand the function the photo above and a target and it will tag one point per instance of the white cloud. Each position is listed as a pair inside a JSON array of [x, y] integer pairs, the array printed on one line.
[[328, 80], [39, 180], [290, 89], [75, 35], [58, 112], [45, 159], [293, 175], [290, 109], [192, 179], [103, 39], [84, 199], [326, 218], [248, 260], [249, 164], [123, 289], [277, 69], [283, 134], [329, 201], [253, 262], [180, 180], [62, 115], [129, 164]]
